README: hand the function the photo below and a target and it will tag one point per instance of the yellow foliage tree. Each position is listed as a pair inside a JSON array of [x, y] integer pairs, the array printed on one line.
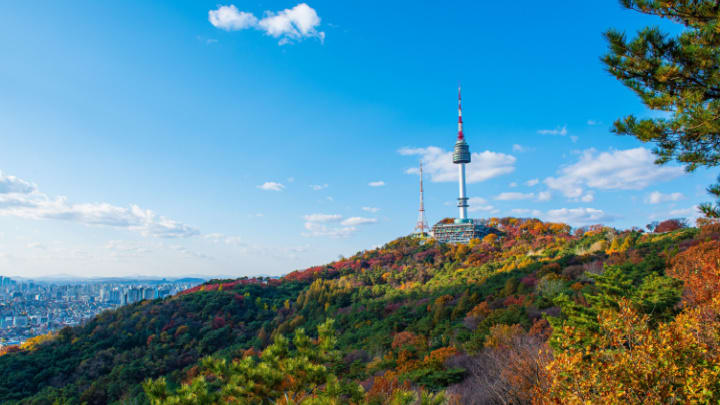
[[35, 341], [634, 364]]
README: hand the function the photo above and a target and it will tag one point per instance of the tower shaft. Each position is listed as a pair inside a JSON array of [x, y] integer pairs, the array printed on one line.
[[462, 200]]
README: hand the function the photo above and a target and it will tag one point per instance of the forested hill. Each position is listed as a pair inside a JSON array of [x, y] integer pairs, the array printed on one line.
[[537, 311]]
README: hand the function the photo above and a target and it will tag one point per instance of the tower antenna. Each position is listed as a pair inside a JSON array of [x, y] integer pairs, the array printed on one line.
[[422, 222]]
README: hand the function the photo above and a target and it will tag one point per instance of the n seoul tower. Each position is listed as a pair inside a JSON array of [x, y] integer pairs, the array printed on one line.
[[461, 156], [463, 229]]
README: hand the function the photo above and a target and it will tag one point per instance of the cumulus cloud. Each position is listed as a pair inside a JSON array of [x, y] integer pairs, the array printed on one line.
[[578, 216], [271, 186], [378, 183], [230, 18], [323, 218], [588, 197], [691, 213], [438, 163], [371, 209], [519, 148], [333, 225], [318, 187], [532, 182], [630, 169], [511, 196], [479, 204], [22, 199], [515, 196], [289, 25], [557, 131], [353, 221], [544, 196], [657, 197], [526, 211], [11, 184]]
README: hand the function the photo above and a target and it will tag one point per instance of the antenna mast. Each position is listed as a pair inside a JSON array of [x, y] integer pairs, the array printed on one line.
[[421, 223]]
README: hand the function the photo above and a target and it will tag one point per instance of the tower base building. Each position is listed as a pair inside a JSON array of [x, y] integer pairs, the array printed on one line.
[[460, 230]]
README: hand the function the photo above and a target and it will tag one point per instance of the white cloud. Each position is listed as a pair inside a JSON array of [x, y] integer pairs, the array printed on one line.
[[230, 18], [315, 229], [588, 197], [510, 196], [483, 208], [271, 186], [324, 218], [525, 211], [532, 182], [353, 221], [189, 253], [371, 209], [438, 163], [378, 183], [513, 184], [333, 225], [578, 216], [544, 196], [630, 169], [593, 122], [126, 249], [557, 131], [11, 184], [657, 197], [574, 138], [22, 199], [519, 148], [318, 187], [289, 25], [514, 196], [691, 213], [228, 240]]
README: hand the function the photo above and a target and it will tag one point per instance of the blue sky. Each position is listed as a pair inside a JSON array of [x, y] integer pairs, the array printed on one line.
[[192, 137]]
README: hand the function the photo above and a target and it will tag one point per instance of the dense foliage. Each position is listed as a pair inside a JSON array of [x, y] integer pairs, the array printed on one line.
[[533, 313]]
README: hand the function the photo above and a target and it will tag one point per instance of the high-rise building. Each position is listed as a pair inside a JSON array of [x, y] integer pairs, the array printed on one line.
[[462, 229]]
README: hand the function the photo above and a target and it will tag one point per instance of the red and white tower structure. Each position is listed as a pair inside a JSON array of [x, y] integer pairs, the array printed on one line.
[[461, 156], [422, 225]]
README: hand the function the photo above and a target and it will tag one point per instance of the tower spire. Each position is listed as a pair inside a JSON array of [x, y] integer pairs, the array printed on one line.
[[461, 136], [421, 225]]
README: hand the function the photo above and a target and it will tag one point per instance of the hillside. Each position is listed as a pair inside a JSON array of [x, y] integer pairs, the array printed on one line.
[[491, 321]]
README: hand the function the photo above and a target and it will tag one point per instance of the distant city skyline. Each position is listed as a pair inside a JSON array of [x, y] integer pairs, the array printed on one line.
[[242, 139]]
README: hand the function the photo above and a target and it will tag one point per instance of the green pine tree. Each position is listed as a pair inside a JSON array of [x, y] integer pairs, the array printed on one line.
[[679, 75]]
